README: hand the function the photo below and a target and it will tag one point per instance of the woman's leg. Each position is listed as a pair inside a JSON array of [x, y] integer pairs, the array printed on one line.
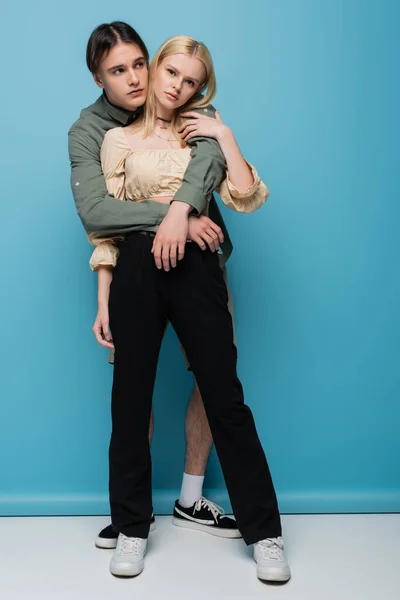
[[199, 314], [137, 323]]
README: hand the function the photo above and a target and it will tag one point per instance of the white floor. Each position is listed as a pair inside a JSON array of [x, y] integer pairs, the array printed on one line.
[[346, 557]]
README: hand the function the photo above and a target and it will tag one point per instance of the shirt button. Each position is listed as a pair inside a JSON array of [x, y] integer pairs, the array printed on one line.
[[77, 184]]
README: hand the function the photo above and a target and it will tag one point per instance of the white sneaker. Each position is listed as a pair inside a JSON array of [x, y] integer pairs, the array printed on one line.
[[271, 561], [128, 558]]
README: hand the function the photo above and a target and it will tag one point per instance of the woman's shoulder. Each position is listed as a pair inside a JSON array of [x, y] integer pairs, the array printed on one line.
[[125, 138], [115, 141], [114, 134]]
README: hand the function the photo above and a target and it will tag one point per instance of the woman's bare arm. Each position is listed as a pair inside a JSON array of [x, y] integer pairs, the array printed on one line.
[[101, 327]]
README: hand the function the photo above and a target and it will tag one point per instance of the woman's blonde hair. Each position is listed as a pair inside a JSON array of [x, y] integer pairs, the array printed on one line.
[[179, 44]]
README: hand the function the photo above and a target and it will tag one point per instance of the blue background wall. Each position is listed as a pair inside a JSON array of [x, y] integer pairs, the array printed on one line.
[[311, 90]]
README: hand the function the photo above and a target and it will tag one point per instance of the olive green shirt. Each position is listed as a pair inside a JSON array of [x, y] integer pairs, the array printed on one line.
[[102, 213]]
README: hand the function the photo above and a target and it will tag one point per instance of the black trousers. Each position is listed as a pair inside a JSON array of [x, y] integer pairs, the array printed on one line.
[[193, 297]]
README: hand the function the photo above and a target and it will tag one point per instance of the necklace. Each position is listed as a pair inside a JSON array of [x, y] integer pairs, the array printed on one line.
[[165, 139]]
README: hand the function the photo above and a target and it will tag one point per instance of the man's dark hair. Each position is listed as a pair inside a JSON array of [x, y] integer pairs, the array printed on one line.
[[108, 35]]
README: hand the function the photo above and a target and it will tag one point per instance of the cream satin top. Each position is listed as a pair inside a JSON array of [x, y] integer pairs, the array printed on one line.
[[143, 174]]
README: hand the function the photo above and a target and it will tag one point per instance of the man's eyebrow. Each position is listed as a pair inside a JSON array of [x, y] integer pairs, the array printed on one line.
[[139, 59], [116, 67], [177, 70]]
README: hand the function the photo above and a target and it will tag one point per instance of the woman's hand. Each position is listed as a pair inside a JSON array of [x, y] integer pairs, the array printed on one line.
[[101, 328], [203, 231], [172, 234], [199, 124], [239, 172]]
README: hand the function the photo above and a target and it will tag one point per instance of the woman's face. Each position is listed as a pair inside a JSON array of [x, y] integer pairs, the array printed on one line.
[[178, 77]]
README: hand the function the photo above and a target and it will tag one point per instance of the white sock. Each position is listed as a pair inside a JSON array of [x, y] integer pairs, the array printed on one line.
[[192, 489]]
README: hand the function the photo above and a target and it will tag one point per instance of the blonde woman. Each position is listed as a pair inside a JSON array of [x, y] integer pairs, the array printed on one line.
[[147, 161]]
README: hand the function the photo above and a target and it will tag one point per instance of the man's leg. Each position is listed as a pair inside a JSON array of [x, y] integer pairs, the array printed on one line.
[[198, 447], [192, 510], [151, 427], [198, 435]]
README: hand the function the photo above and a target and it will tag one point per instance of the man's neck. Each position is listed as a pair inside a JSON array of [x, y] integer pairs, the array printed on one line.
[[130, 112], [119, 114]]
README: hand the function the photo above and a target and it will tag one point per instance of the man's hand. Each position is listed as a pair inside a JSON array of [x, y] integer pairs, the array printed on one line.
[[199, 124], [204, 231], [169, 242], [101, 328]]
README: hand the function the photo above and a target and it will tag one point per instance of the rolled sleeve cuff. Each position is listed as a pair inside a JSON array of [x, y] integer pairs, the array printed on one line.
[[248, 201], [105, 254], [234, 192], [190, 195]]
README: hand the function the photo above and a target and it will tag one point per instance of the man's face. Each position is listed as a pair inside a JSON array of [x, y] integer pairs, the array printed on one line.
[[123, 76]]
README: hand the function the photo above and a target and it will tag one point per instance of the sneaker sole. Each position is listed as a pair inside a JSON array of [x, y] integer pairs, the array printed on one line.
[[111, 543], [131, 571], [118, 572], [274, 575], [224, 533]]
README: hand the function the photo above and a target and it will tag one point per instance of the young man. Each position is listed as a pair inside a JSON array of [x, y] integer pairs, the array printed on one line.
[[118, 60]]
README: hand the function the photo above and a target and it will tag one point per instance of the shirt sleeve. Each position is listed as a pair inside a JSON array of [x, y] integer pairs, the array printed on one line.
[[105, 252], [98, 210], [246, 202], [206, 170]]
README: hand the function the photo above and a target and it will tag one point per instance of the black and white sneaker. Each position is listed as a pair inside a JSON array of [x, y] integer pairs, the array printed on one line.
[[205, 516], [108, 538]]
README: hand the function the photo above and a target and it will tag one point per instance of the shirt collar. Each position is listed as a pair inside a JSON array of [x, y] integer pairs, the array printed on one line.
[[125, 117]]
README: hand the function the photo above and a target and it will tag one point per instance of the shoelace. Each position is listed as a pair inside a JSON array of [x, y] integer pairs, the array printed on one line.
[[129, 545], [215, 510], [271, 548]]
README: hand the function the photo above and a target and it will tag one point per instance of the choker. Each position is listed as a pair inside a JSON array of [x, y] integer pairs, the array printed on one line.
[[164, 121]]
